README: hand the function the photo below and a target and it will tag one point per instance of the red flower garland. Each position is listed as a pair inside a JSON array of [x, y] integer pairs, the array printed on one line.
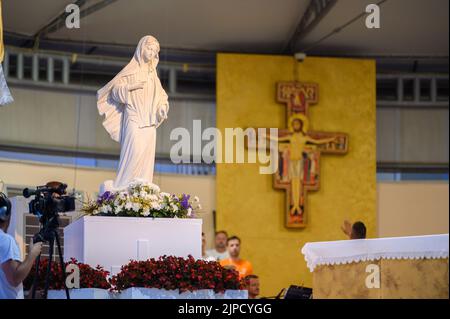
[[171, 273], [89, 277]]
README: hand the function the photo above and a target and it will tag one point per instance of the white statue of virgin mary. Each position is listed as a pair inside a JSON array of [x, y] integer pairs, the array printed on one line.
[[134, 104]]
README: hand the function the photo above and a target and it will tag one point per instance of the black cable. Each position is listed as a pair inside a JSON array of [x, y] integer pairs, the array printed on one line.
[[339, 29]]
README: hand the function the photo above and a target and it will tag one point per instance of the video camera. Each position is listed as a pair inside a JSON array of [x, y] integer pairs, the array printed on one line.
[[49, 200]]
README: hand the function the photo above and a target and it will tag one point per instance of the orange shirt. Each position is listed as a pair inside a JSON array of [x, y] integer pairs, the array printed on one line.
[[244, 267]]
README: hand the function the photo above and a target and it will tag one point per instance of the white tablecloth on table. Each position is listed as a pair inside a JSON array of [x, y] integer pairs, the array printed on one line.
[[347, 251]]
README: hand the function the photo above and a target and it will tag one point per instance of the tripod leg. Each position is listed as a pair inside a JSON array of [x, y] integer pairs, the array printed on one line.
[[61, 261], [36, 275], [49, 267]]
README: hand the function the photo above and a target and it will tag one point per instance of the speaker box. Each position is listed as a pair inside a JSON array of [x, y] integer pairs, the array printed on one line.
[[298, 292]]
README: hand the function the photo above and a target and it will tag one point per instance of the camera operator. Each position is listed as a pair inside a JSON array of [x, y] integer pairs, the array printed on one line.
[[12, 270]]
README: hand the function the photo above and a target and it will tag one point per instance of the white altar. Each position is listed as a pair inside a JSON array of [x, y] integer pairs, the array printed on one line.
[[112, 241], [387, 268]]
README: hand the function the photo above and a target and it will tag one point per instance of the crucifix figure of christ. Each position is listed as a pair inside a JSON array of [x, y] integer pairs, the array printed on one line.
[[299, 150]]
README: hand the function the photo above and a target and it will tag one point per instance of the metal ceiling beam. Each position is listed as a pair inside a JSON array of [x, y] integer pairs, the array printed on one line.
[[56, 23], [87, 89], [314, 13], [339, 28], [180, 65], [60, 21], [189, 56]]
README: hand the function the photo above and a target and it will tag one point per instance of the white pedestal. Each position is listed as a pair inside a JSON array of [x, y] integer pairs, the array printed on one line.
[[84, 293], [153, 293], [112, 241], [146, 293]]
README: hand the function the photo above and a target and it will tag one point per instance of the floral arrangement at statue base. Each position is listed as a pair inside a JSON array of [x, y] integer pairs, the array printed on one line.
[[142, 199]]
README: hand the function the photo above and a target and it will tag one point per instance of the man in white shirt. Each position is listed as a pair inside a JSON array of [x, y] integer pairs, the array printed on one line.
[[12, 271], [220, 242]]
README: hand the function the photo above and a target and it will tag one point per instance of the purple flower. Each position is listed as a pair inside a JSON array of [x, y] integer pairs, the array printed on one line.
[[105, 197], [185, 201]]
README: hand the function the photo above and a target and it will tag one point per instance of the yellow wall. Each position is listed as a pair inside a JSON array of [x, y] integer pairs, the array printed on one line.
[[249, 207]]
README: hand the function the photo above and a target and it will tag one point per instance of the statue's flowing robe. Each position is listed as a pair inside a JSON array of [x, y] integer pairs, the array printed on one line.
[[131, 117]]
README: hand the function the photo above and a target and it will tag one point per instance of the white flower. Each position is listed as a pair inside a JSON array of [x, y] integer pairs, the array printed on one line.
[[155, 205], [199, 207], [152, 198], [143, 194], [164, 194], [154, 188], [105, 209], [94, 212], [128, 205], [123, 195], [136, 207], [146, 212], [189, 212], [196, 199], [118, 209]]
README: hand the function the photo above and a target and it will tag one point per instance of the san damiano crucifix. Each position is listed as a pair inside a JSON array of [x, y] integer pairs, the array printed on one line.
[[299, 150]]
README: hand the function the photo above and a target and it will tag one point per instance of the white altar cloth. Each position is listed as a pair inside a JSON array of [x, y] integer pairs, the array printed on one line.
[[348, 251]]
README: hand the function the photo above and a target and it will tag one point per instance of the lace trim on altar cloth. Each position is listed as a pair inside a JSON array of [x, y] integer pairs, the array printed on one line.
[[312, 263], [349, 251], [5, 94]]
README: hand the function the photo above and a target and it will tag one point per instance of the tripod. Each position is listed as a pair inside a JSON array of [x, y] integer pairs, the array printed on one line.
[[49, 233]]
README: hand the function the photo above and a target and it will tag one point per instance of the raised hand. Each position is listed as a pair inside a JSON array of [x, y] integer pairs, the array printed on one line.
[[347, 228], [35, 249]]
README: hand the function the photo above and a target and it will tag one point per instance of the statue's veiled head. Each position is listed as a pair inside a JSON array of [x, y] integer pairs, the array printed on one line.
[[147, 51]]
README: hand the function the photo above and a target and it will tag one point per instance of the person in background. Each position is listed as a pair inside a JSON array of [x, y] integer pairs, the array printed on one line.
[[356, 230], [12, 271], [244, 267], [220, 246], [251, 284]]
